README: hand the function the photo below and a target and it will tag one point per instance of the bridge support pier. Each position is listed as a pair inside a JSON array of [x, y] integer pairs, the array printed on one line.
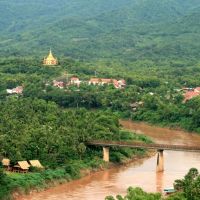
[[160, 161], [106, 156]]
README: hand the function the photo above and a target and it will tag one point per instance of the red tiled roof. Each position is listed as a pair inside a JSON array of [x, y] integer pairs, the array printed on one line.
[[74, 79], [96, 80], [101, 80], [122, 81], [58, 83], [191, 94], [18, 90], [197, 89], [106, 80], [116, 83]]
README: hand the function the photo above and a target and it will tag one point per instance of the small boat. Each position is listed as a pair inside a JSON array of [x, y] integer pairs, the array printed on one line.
[[169, 190]]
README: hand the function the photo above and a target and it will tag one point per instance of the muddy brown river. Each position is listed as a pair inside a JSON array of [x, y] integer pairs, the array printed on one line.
[[143, 174]]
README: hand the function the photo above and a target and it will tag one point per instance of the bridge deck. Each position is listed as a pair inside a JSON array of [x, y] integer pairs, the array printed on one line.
[[145, 146]]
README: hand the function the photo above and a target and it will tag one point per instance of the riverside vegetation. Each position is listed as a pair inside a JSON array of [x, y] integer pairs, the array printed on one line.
[[187, 188], [36, 129]]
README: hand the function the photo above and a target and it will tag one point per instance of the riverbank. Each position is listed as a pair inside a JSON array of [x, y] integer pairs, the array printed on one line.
[[171, 126], [165, 135], [17, 184], [21, 194]]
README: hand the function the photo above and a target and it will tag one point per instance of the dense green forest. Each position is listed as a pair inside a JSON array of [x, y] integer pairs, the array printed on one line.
[[37, 129], [126, 30]]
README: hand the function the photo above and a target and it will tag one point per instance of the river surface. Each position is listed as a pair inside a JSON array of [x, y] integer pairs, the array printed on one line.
[[143, 174]]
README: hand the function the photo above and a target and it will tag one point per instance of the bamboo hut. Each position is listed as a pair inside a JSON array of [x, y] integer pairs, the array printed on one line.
[[6, 163], [36, 163], [21, 167]]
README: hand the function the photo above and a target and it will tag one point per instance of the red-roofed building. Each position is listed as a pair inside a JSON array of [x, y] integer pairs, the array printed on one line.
[[94, 81], [115, 83], [119, 84], [197, 89], [191, 94], [59, 84], [106, 81], [100, 81], [122, 83], [17, 90], [75, 81], [103, 81]]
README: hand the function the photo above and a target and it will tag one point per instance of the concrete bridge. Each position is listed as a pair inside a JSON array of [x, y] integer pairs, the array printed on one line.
[[159, 147]]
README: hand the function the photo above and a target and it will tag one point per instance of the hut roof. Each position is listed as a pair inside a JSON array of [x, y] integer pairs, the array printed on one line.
[[36, 163], [23, 164], [5, 162]]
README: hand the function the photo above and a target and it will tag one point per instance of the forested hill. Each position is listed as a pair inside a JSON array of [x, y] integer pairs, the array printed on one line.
[[101, 29]]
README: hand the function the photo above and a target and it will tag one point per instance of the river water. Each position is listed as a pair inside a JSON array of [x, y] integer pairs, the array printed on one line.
[[143, 174]]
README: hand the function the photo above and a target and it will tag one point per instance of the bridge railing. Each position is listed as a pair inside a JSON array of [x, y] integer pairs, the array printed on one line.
[[143, 145]]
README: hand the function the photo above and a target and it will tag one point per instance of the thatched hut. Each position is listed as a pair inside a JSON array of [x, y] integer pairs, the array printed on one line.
[[21, 167], [36, 163], [6, 163]]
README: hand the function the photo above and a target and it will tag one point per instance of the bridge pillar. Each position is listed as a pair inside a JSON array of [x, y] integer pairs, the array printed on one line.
[[160, 161], [106, 156]]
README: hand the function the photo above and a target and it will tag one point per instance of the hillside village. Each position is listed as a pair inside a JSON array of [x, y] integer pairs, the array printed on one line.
[[51, 60], [118, 84], [188, 93]]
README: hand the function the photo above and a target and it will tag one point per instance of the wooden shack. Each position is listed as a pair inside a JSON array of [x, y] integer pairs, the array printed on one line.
[[21, 167], [36, 163], [6, 164]]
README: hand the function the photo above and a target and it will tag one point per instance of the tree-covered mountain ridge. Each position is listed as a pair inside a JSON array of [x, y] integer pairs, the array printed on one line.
[[115, 29]]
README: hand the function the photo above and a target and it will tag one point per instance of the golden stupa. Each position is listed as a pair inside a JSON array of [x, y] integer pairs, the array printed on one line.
[[50, 60]]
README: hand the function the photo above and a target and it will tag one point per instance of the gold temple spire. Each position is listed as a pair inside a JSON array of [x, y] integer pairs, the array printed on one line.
[[50, 59]]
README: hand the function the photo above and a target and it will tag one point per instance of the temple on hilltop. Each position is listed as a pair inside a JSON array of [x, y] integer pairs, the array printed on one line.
[[50, 60]]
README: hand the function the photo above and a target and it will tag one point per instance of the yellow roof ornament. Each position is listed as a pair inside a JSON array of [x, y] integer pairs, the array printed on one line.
[[50, 56], [50, 59]]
